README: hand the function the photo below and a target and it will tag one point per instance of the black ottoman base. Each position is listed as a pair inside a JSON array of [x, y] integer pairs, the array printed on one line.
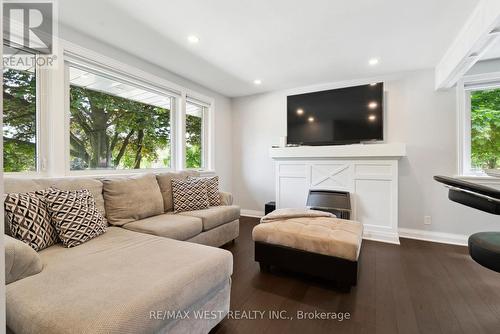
[[343, 272], [484, 248]]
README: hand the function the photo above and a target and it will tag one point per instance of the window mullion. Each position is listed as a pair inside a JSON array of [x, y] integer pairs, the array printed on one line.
[[181, 134]]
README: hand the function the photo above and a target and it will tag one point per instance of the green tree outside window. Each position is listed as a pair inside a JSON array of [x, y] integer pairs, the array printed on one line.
[[111, 132], [194, 133], [19, 120], [485, 129]]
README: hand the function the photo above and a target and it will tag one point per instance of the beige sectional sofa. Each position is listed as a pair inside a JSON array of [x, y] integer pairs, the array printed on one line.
[[126, 280]]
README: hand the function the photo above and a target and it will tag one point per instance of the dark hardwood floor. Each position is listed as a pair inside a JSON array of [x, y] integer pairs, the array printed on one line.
[[418, 287]]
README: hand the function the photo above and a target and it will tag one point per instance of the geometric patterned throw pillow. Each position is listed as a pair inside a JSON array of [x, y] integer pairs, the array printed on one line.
[[189, 195], [29, 220], [212, 183], [74, 215]]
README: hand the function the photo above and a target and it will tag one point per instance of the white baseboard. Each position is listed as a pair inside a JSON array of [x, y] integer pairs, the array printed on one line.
[[441, 237], [390, 238], [252, 213], [432, 236]]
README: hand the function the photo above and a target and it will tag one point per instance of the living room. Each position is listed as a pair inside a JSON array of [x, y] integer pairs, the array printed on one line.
[[235, 167]]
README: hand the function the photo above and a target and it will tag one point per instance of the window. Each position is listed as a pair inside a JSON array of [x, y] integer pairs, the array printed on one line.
[[481, 127], [485, 129], [106, 117], [19, 117], [195, 135], [117, 125]]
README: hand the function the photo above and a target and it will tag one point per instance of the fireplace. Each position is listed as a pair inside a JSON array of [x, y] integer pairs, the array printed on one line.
[[369, 173], [336, 202]]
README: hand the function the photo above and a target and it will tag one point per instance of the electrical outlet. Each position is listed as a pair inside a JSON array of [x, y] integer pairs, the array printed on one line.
[[427, 220]]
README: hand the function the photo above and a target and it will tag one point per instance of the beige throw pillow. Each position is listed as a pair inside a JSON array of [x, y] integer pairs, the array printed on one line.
[[131, 198], [189, 195], [20, 260]]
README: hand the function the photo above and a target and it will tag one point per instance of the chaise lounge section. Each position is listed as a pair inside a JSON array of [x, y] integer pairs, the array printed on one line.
[[125, 280]]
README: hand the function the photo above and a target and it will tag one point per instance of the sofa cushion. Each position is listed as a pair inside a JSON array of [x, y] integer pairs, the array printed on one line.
[[212, 183], [20, 260], [168, 225], [189, 195], [215, 216], [225, 198], [21, 185], [131, 198], [24, 185], [75, 215], [76, 183], [29, 220], [110, 284], [165, 183]]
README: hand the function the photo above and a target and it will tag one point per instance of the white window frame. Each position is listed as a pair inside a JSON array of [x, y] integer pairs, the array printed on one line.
[[465, 85], [136, 82], [53, 115], [75, 54], [205, 138], [41, 92]]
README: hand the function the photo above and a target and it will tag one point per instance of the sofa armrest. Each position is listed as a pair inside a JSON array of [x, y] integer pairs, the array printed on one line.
[[20, 260], [225, 198]]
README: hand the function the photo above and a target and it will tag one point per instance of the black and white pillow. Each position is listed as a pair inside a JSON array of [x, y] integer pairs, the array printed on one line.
[[74, 215], [189, 195], [29, 219], [212, 183]]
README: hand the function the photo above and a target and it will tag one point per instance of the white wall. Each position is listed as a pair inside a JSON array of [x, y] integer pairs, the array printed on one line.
[[223, 161], [417, 115]]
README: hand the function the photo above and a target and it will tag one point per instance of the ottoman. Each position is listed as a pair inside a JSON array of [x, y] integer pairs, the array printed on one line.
[[325, 247]]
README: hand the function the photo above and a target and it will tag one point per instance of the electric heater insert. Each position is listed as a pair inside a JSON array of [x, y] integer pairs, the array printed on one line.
[[336, 202]]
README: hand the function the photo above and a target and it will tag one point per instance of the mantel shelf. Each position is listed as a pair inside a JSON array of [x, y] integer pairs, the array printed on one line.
[[392, 151]]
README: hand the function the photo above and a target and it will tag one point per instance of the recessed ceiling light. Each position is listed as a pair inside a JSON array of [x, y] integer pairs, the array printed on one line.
[[311, 119], [373, 84], [257, 81], [372, 105], [373, 61], [300, 111], [372, 117], [193, 39]]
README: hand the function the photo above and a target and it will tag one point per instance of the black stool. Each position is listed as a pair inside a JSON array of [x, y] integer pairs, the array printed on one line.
[[484, 247]]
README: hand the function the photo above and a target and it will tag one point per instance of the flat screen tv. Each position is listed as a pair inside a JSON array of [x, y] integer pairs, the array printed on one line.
[[338, 116]]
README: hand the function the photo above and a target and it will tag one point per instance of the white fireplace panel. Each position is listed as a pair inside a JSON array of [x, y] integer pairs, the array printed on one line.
[[372, 181], [292, 192], [330, 176], [372, 169], [373, 203], [292, 169]]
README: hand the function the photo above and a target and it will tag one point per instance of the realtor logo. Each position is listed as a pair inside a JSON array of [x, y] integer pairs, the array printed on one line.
[[29, 32], [29, 25]]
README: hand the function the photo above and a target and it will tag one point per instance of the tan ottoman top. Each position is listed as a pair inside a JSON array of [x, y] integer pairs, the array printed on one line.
[[324, 235]]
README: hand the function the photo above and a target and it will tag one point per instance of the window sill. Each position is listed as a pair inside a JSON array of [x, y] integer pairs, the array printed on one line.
[[203, 172]]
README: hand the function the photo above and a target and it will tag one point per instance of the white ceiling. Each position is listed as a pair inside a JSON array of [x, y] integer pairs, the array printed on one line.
[[285, 43]]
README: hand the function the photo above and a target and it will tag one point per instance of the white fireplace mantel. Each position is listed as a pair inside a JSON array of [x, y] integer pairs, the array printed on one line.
[[393, 150], [368, 171]]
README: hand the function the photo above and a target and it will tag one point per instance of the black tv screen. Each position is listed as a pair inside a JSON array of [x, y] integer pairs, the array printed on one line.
[[338, 116]]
